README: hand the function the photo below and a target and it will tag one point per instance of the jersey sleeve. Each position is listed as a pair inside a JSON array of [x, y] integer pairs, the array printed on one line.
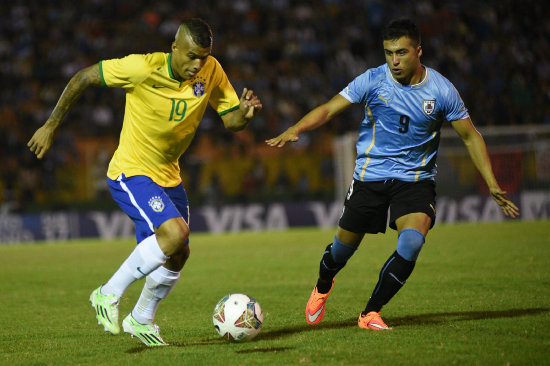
[[223, 99], [124, 72], [454, 106], [357, 90]]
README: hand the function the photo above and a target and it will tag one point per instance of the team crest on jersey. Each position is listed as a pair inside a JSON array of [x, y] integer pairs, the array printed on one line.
[[199, 87], [156, 204], [428, 106]]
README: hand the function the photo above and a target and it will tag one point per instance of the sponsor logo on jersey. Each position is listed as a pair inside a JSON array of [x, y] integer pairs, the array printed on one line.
[[156, 204], [428, 106]]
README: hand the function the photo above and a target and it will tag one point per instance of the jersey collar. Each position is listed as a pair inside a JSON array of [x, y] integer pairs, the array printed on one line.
[[171, 73], [414, 86], [170, 66]]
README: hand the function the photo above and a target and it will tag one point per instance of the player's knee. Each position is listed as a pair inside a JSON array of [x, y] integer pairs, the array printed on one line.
[[177, 242], [341, 252], [173, 237], [409, 244]]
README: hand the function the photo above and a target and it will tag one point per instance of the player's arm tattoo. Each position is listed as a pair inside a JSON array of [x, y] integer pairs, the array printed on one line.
[[74, 89]]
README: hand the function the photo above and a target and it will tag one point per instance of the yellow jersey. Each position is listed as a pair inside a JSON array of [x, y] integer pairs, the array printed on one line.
[[161, 114]]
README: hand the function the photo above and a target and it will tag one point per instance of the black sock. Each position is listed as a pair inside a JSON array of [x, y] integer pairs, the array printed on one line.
[[328, 268], [393, 275]]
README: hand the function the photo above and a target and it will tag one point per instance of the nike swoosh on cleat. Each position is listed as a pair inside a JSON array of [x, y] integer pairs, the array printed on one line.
[[158, 86], [139, 270], [377, 326], [313, 317]]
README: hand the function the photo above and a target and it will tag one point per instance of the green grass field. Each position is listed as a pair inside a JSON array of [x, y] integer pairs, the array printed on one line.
[[480, 295]]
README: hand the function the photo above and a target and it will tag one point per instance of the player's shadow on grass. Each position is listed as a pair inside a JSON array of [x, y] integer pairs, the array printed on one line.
[[436, 318], [416, 320]]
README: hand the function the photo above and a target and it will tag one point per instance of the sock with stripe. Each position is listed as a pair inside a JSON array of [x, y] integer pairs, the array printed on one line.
[[392, 277]]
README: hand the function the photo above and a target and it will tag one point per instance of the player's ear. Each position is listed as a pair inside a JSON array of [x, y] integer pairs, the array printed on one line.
[[419, 51], [174, 46]]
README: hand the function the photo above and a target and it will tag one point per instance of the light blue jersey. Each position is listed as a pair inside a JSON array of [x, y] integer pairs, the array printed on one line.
[[399, 136]]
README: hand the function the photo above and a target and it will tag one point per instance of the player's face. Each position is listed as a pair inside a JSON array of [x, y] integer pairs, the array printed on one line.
[[188, 58], [403, 59]]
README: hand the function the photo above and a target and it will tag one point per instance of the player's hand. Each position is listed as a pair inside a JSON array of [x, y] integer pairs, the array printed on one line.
[[505, 204], [250, 104], [290, 135], [41, 141]]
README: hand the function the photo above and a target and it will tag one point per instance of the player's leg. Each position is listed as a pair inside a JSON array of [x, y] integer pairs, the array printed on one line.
[[397, 268], [160, 283], [334, 259], [412, 230], [336, 256], [147, 205], [364, 211], [160, 229]]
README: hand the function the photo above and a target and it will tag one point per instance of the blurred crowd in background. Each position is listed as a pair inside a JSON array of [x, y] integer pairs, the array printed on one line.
[[293, 54]]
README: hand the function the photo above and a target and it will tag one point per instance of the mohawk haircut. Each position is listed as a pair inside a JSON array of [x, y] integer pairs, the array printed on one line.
[[199, 30]]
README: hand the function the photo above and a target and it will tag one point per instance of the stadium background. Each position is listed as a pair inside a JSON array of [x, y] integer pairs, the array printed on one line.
[[295, 55]]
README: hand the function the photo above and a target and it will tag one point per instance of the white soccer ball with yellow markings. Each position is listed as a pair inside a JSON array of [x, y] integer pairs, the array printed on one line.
[[238, 317]]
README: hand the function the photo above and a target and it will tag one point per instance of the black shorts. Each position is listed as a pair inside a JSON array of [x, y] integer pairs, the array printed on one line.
[[366, 205]]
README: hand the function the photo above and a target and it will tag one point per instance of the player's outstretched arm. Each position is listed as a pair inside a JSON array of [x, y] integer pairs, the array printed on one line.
[[42, 139], [478, 153], [315, 118], [250, 105]]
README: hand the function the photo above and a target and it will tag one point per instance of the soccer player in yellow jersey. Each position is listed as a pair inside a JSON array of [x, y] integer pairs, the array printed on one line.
[[166, 97]]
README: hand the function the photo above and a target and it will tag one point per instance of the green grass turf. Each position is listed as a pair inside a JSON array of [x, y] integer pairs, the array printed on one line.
[[480, 295]]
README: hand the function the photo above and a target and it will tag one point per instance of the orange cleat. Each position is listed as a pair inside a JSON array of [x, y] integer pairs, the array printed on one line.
[[372, 321], [315, 308]]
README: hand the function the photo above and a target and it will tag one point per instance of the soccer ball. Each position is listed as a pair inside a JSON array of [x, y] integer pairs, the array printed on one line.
[[238, 317]]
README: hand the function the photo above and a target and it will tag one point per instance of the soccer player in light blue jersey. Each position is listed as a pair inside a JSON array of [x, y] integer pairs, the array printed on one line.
[[405, 103]]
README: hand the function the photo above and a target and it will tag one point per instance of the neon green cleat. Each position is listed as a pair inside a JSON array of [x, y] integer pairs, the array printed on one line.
[[149, 334], [106, 308]]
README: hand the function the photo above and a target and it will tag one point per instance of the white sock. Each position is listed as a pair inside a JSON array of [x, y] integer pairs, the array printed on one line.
[[146, 257], [157, 287]]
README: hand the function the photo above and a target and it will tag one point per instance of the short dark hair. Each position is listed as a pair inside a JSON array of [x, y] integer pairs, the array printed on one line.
[[200, 31], [398, 28]]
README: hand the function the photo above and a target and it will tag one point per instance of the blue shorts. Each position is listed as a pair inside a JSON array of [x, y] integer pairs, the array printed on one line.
[[147, 203]]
